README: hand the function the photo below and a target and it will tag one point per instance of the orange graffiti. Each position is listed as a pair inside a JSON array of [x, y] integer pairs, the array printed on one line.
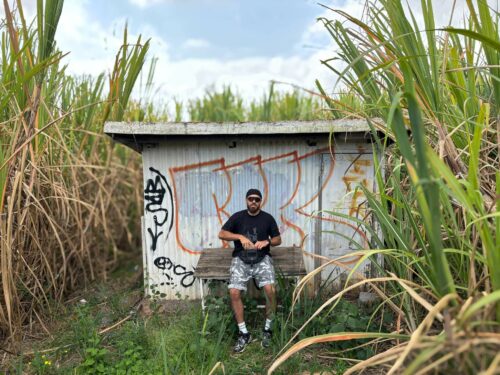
[[219, 210], [348, 180], [220, 166], [294, 227], [297, 184], [325, 182], [354, 209], [355, 228], [172, 171]]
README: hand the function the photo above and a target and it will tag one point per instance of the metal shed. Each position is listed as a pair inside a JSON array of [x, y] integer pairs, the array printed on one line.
[[196, 176]]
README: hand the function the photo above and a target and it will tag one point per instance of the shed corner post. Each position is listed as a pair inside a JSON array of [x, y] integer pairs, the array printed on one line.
[[318, 225], [145, 272]]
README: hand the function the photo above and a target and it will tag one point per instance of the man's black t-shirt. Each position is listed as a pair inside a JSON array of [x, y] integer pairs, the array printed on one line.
[[256, 228]]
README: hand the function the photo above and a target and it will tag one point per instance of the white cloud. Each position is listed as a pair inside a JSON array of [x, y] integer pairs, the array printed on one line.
[[317, 36], [145, 3], [93, 48], [250, 76], [196, 43], [358, 9]]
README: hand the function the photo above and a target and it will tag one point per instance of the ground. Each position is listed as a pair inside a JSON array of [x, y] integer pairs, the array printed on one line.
[[110, 328]]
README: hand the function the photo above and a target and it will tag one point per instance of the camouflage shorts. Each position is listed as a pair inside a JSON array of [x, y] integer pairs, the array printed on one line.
[[263, 272]]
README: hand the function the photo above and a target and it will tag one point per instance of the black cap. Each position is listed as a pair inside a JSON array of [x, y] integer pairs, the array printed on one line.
[[254, 192]]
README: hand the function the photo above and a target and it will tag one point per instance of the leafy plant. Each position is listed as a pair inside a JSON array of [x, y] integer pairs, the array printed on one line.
[[94, 358]]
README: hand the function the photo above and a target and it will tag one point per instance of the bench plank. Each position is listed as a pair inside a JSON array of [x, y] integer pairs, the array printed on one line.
[[214, 263]]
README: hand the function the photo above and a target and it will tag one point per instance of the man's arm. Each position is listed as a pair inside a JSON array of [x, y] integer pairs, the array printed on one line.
[[275, 241], [274, 236], [229, 236]]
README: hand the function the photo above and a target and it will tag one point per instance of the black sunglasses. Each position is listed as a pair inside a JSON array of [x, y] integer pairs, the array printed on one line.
[[252, 199]]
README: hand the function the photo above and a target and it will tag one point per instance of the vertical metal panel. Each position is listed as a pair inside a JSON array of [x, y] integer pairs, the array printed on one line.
[[191, 188], [342, 195]]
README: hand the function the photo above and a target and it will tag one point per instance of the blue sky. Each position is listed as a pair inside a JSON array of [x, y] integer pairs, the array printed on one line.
[[220, 28], [203, 43], [211, 43]]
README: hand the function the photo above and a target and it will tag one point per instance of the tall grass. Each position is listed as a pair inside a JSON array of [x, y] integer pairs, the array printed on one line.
[[437, 92], [68, 203], [228, 106]]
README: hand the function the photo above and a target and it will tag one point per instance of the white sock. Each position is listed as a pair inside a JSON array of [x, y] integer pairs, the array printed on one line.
[[243, 328], [267, 327]]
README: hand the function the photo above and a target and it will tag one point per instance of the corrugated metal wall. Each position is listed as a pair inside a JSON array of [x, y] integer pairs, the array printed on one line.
[[192, 187]]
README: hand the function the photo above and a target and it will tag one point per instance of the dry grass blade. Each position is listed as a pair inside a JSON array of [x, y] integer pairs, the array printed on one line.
[[58, 215], [478, 306], [34, 135], [6, 259], [330, 337], [336, 297], [350, 266], [217, 366], [113, 326], [422, 328], [493, 368], [389, 355], [416, 296]]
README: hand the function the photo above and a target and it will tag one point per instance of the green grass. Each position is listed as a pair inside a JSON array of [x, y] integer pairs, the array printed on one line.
[[182, 339]]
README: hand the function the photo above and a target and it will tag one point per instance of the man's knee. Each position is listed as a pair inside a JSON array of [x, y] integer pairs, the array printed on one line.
[[234, 293], [269, 290]]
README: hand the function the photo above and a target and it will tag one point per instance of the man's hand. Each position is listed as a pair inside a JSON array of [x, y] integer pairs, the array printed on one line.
[[261, 244], [246, 243]]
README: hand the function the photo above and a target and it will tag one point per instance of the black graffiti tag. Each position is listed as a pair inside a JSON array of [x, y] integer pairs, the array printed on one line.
[[154, 196], [155, 235], [165, 264]]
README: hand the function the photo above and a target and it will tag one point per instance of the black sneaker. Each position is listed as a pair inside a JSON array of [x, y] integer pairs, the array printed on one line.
[[241, 343], [267, 335]]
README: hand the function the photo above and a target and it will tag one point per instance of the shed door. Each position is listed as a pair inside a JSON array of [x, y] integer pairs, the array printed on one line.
[[341, 194]]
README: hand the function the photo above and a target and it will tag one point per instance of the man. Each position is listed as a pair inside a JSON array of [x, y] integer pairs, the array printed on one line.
[[253, 232]]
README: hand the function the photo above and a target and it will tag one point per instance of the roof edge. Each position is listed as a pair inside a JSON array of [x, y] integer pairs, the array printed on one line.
[[237, 128]]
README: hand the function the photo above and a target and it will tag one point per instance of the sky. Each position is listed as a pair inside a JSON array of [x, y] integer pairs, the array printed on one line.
[[201, 43], [211, 43]]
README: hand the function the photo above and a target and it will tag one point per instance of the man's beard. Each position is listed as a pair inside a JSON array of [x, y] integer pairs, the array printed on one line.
[[252, 209]]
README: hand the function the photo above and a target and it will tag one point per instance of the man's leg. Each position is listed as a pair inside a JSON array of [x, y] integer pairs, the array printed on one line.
[[238, 279], [270, 293], [266, 279], [237, 305]]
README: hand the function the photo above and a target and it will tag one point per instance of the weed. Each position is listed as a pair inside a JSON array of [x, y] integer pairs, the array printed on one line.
[[41, 364], [94, 358]]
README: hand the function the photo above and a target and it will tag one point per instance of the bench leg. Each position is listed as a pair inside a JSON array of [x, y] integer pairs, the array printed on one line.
[[202, 296]]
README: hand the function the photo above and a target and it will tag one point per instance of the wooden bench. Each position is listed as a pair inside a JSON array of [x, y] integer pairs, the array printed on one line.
[[214, 264]]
